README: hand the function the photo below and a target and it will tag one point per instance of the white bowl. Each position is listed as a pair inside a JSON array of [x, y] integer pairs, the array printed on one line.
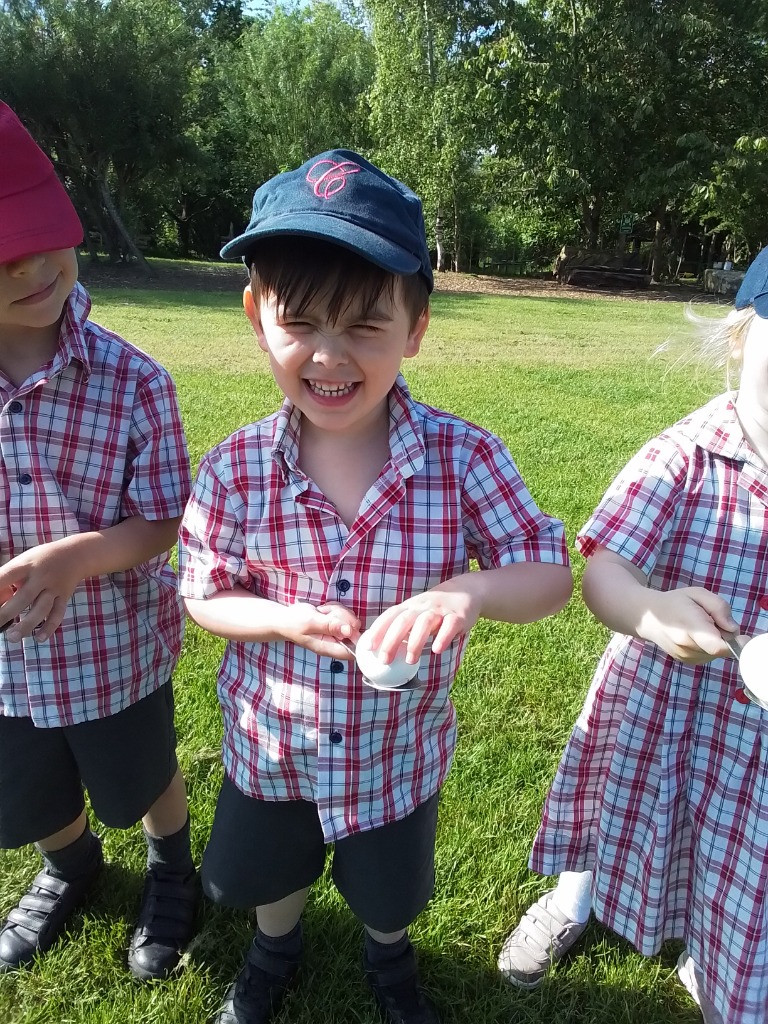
[[379, 675]]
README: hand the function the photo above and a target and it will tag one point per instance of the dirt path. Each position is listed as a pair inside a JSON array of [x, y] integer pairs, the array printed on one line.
[[226, 278]]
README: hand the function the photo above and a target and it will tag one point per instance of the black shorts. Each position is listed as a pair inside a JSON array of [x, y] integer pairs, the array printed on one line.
[[125, 762], [261, 851]]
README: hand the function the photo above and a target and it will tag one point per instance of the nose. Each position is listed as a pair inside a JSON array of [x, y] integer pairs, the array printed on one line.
[[330, 349], [26, 265]]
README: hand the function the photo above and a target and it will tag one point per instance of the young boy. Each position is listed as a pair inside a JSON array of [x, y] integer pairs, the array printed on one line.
[[353, 506], [94, 476]]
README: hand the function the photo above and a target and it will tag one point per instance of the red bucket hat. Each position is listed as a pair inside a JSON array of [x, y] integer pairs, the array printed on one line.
[[36, 214]]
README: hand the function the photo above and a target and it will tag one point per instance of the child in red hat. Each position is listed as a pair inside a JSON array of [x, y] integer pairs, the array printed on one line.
[[94, 476]]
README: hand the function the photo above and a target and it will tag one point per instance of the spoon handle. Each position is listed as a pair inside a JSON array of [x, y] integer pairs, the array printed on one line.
[[732, 645]]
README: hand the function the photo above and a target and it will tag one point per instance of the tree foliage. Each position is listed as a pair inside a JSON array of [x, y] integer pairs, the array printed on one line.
[[522, 123]]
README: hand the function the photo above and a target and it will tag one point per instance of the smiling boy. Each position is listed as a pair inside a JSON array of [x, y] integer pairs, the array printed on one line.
[[354, 506]]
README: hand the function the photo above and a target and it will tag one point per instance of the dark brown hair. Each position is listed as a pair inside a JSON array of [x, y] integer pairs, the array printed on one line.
[[297, 270]]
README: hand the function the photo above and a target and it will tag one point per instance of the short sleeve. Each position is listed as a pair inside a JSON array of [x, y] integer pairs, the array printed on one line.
[[159, 477], [502, 523], [639, 509], [211, 539]]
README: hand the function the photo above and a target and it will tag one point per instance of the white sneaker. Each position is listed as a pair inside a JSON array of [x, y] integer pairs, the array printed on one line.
[[691, 977], [543, 937]]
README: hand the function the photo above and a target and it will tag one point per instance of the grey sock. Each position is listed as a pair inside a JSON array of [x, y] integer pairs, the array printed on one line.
[[381, 952], [75, 860], [289, 945], [173, 853]]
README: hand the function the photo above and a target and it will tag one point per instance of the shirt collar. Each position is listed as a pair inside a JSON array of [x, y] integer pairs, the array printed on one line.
[[720, 431], [406, 437], [73, 343]]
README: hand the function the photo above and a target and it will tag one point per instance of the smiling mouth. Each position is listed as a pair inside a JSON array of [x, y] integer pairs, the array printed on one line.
[[331, 390], [38, 296]]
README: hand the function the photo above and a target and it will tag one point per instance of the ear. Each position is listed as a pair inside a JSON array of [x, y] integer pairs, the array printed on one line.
[[417, 332], [253, 314]]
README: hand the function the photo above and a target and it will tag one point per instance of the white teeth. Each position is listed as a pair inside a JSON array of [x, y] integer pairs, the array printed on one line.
[[329, 390]]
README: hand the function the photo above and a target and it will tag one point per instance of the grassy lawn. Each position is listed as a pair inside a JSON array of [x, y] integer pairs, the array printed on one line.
[[573, 388]]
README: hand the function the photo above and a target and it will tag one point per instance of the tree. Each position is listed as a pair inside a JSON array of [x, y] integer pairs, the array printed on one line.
[[422, 105], [619, 104], [296, 86], [102, 87]]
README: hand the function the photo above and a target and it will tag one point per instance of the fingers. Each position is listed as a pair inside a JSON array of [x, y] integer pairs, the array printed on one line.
[[341, 621], [716, 608], [35, 616], [327, 647]]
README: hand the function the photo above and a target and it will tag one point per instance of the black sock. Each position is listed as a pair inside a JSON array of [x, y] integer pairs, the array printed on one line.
[[380, 952], [172, 853], [288, 946], [73, 861]]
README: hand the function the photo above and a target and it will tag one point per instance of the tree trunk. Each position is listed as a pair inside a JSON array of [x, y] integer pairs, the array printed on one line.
[[591, 210], [456, 237], [658, 268], [439, 239], [129, 244]]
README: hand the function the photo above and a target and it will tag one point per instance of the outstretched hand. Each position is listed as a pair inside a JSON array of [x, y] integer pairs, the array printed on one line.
[[447, 611]]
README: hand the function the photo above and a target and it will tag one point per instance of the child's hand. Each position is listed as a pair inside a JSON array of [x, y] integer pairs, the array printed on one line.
[[321, 628], [449, 610], [41, 581], [688, 624]]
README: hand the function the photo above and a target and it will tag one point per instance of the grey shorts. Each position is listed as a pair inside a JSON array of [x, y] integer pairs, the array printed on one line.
[[125, 762], [261, 851]]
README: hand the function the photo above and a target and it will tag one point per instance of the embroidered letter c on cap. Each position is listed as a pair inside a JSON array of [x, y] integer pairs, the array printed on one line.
[[327, 183]]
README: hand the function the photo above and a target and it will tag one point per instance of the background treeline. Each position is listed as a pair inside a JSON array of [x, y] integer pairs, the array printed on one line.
[[524, 125]]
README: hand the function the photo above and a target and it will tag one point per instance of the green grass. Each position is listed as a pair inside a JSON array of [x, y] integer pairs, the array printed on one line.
[[573, 388]]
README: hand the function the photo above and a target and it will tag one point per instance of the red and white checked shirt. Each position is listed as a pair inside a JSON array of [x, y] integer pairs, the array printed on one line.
[[299, 726], [88, 440], [663, 787]]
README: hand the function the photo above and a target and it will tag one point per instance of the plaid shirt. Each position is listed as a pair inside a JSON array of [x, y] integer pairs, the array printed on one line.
[[663, 786], [299, 726], [88, 440]]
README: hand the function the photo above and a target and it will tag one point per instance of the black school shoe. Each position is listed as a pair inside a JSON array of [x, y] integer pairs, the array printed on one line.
[[400, 997], [41, 916], [260, 988], [166, 922]]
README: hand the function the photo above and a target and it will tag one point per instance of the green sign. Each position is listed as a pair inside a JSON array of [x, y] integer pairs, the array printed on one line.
[[627, 223]]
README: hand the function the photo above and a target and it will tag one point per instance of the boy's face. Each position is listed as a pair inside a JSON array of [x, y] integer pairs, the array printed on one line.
[[338, 375], [33, 290]]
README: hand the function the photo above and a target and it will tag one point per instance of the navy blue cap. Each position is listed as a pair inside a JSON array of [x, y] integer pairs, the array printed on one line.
[[754, 287], [341, 197]]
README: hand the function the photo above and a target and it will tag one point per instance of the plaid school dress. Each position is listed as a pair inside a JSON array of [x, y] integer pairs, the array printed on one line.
[[662, 790]]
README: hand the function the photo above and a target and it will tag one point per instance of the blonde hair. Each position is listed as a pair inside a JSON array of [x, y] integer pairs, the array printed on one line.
[[721, 339]]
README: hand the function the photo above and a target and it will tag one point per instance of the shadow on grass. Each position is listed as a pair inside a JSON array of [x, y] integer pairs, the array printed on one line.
[[331, 986]]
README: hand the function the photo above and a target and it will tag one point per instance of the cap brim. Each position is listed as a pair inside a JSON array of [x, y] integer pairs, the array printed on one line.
[[365, 243], [40, 219]]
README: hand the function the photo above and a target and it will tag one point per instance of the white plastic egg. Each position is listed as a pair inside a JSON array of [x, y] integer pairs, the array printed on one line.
[[383, 677], [753, 665]]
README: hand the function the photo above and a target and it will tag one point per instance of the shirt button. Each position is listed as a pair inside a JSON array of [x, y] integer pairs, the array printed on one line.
[[335, 737], [25, 478], [763, 602], [337, 666], [343, 586], [15, 407]]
